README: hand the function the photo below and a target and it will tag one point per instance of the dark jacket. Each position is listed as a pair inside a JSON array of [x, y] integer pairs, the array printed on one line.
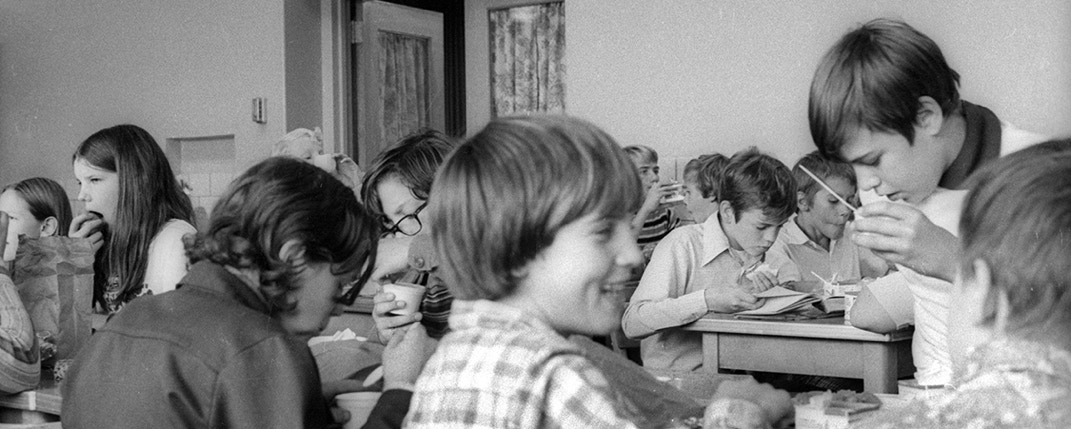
[[204, 356]]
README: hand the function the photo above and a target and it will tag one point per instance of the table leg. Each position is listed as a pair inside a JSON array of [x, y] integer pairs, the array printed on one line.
[[880, 367], [711, 363]]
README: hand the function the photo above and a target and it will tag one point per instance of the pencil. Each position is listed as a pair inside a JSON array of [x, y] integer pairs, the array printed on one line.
[[828, 189]]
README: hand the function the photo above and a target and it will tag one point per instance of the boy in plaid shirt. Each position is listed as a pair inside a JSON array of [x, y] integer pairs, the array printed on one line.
[[532, 218]]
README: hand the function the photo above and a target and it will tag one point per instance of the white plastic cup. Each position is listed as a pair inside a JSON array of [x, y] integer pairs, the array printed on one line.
[[676, 196], [411, 294], [359, 405], [849, 301]]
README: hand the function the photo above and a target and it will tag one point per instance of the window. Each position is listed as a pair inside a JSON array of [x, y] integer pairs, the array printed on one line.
[[527, 59]]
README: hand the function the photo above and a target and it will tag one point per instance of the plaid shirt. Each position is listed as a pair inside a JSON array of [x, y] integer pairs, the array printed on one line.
[[500, 367]]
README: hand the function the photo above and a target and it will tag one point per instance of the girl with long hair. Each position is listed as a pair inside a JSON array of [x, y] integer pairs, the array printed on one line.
[[135, 213]]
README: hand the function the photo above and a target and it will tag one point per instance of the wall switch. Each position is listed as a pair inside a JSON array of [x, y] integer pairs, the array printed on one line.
[[260, 105]]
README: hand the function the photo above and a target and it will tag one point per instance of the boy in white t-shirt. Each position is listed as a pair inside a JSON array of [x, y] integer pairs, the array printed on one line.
[[885, 100]]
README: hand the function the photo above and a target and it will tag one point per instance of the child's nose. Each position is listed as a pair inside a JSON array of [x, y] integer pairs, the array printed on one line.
[[82, 194]]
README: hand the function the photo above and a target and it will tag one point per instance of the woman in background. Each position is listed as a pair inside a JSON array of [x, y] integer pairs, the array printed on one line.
[[135, 213]]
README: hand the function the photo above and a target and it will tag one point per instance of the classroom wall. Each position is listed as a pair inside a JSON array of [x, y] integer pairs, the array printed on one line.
[[694, 76], [180, 69]]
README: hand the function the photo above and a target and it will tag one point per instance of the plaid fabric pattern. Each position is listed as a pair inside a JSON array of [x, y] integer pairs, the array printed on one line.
[[500, 367]]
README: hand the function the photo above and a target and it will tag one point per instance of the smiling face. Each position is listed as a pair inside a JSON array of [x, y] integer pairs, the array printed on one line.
[[316, 294], [894, 168], [22, 222], [752, 232], [99, 190], [824, 212], [574, 284], [398, 201]]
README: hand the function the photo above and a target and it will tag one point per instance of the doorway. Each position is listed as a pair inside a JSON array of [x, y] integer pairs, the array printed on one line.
[[407, 62]]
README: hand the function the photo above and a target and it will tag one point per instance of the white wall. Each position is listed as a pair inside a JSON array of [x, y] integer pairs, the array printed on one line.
[[176, 68], [694, 76]]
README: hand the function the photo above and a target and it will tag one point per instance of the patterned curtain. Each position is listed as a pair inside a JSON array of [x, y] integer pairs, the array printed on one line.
[[403, 65], [527, 59]]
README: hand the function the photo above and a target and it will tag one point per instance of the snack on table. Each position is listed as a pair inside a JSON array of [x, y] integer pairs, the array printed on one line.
[[725, 413], [773, 405]]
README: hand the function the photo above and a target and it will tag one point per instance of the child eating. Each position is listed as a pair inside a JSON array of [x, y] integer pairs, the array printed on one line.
[[810, 243], [885, 100], [532, 221], [657, 216], [713, 266]]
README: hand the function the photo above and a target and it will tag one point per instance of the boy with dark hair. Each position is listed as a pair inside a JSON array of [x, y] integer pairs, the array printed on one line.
[[229, 347], [885, 100], [396, 190], [811, 241], [1010, 332], [712, 266]]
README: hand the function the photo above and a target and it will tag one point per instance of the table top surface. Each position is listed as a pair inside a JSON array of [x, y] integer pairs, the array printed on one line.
[[831, 328]]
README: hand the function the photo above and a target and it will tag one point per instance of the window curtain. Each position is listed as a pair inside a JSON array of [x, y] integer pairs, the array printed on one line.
[[527, 59], [404, 68]]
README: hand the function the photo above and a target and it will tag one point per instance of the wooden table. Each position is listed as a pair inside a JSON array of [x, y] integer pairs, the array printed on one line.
[[825, 347]]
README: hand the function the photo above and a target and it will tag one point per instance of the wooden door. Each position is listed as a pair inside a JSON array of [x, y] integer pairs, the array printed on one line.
[[399, 78]]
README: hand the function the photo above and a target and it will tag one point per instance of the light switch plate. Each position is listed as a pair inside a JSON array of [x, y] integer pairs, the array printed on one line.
[[260, 105]]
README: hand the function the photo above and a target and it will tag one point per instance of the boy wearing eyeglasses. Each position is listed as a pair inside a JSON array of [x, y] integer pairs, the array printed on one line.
[[396, 189]]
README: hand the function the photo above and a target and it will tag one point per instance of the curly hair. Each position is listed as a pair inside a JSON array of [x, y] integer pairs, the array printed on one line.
[[282, 199]]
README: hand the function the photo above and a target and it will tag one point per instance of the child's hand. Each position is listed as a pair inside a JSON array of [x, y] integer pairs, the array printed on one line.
[[902, 234], [730, 300], [654, 196], [387, 324], [88, 225], [762, 281], [405, 356]]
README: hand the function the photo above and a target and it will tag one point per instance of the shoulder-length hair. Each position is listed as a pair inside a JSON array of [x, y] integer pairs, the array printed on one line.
[[149, 197], [46, 198], [413, 160], [282, 199]]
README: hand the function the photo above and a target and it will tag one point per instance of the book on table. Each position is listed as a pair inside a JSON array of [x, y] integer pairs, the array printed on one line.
[[781, 301]]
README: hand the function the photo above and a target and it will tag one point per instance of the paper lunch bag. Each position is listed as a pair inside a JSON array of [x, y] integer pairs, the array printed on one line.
[[54, 277]]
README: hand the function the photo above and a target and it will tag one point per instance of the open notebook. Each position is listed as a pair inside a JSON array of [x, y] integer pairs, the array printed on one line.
[[780, 300]]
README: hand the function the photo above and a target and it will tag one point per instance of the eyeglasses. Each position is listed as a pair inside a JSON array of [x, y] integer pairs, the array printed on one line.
[[405, 227], [349, 293]]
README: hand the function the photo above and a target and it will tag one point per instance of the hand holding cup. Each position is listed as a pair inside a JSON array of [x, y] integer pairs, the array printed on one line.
[[396, 305]]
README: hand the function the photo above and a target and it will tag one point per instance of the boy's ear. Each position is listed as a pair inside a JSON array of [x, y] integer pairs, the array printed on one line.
[[293, 252], [801, 201], [930, 117], [726, 211], [49, 226]]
